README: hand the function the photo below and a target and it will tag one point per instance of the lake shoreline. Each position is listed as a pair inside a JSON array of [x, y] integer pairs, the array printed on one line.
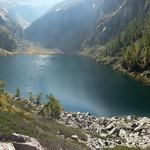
[[103, 132], [6, 53], [113, 63], [141, 77]]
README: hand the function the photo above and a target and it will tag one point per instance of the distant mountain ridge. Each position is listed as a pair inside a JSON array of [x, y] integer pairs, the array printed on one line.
[[26, 11], [61, 26], [10, 31], [68, 23]]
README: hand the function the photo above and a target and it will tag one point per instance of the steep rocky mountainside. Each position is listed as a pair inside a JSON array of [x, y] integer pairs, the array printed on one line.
[[67, 24], [9, 31], [122, 38], [114, 22]]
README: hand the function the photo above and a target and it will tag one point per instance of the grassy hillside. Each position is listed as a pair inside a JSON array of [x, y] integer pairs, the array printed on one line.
[[20, 117]]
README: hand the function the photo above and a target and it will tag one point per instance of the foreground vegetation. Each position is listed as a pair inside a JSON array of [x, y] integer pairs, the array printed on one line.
[[21, 117], [16, 117]]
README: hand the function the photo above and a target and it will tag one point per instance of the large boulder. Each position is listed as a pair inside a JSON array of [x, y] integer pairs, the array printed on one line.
[[147, 73], [28, 144], [6, 146], [141, 123], [122, 134], [21, 142]]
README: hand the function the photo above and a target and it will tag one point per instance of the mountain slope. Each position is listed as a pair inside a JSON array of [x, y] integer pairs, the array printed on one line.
[[117, 28], [114, 22], [61, 26], [122, 38], [66, 25], [9, 31]]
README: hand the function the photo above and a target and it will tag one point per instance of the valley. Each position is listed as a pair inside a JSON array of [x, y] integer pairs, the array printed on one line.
[[93, 55], [92, 28]]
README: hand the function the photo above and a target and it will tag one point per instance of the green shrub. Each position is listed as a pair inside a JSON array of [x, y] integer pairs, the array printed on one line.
[[17, 93], [35, 99], [55, 107], [2, 86], [52, 108]]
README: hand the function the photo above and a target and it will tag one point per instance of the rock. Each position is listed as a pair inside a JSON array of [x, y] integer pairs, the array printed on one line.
[[125, 131], [114, 131], [118, 142], [97, 147], [103, 135], [145, 146], [74, 115], [87, 114], [143, 121], [6, 146], [75, 137], [122, 133], [147, 73], [110, 126], [100, 142], [16, 98], [104, 130], [129, 118], [27, 146], [22, 142], [69, 115], [96, 127]]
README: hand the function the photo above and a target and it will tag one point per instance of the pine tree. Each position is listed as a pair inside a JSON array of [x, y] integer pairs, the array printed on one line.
[[30, 96], [51, 108], [2, 85], [17, 93], [146, 57]]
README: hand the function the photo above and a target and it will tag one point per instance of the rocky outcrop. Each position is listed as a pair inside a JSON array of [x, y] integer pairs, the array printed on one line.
[[19, 142], [127, 131], [6, 146]]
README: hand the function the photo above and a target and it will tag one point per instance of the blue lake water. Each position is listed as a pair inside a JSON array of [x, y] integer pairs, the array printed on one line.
[[78, 82]]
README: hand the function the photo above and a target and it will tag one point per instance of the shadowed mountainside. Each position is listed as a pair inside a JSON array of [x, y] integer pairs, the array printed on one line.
[[68, 24]]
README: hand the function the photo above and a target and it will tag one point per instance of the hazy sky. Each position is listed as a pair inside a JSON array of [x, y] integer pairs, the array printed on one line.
[[29, 9], [37, 2], [31, 2]]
